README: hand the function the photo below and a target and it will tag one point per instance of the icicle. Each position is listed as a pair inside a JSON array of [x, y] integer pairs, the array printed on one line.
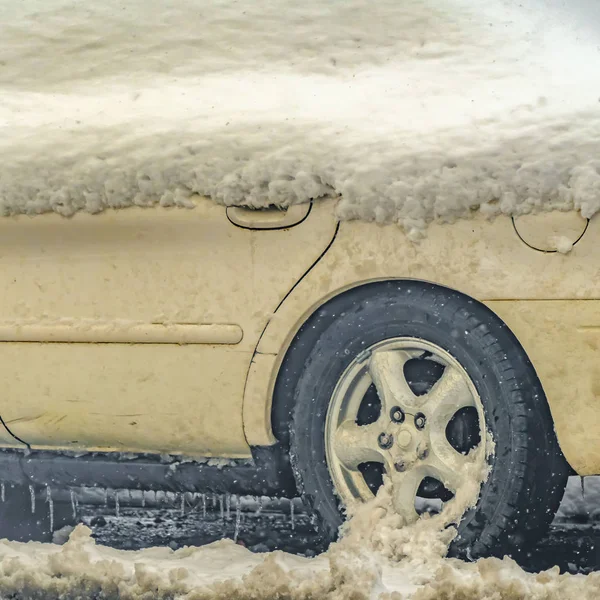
[[50, 507], [143, 499], [221, 507], [260, 506], [214, 499], [292, 521], [106, 497], [582, 487], [183, 505], [32, 494], [228, 506], [117, 507], [73, 506], [238, 519], [3, 492], [204, 505]]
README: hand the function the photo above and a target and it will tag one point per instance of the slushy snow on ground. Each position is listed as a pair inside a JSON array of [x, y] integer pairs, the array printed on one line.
[[411, 111], [411, 567]]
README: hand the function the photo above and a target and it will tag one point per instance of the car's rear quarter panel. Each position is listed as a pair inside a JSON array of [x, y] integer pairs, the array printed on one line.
[[551, 301]]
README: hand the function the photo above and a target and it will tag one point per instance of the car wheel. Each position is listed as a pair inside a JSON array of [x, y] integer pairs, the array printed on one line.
[[23, 519], [421, 382]]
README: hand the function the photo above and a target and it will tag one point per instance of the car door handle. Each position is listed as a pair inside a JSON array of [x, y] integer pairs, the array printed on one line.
[[268, 218]]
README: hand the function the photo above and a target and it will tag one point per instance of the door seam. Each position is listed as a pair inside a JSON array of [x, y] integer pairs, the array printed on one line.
[[16, 437], [256, 352]]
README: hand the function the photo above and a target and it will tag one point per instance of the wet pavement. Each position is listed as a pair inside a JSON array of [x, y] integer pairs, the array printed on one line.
[[266, 524], [260, 525]]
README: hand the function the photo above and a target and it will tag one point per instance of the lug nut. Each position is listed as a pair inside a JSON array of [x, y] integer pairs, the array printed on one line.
[[399, 466], [420, 421], [385, 440], [423, 453], [397, 414]]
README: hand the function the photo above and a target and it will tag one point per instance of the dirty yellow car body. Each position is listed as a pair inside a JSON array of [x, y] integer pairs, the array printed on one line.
[[162, 330]]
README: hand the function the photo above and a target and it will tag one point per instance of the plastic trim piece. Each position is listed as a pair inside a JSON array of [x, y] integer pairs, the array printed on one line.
[[121, 332]]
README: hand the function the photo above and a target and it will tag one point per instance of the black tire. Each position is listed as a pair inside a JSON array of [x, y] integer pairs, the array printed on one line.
[[20, 524], [528, 471]]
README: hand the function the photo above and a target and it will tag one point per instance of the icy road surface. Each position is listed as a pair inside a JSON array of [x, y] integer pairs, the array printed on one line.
[[223, 569]]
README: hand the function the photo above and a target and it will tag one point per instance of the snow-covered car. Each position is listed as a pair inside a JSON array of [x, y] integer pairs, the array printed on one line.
[[283, 352]]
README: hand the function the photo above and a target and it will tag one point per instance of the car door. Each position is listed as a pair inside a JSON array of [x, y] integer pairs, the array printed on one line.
[[133, 330]]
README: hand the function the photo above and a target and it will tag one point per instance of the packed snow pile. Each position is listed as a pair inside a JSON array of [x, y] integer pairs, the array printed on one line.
[[410, 111]]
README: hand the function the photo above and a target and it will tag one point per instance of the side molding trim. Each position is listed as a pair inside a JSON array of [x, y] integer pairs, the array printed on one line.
[[120, 332]]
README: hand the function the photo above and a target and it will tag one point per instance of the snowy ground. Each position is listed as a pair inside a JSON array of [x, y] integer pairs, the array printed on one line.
[[82, 568]]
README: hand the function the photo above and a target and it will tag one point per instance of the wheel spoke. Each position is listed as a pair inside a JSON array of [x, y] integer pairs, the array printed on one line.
[[445, 463], [355, 444], [404, 493], [449, 394], [386, 368]]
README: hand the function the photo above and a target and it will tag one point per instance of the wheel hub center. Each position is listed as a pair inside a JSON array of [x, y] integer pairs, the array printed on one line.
[[404, 438]]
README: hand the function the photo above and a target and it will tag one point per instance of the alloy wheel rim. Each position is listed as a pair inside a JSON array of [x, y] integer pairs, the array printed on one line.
[[409, 438]]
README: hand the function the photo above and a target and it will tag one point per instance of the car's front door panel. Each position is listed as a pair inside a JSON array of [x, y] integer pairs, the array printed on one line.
[[133, 330]]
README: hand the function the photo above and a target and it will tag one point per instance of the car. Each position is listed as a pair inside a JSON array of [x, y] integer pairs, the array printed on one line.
[[285, 352]]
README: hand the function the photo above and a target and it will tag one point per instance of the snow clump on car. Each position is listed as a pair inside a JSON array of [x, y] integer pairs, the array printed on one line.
[[409, 112]]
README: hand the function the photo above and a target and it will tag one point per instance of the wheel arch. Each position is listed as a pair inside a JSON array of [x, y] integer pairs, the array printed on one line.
[[285, 366], [267, 363], [267, 408]]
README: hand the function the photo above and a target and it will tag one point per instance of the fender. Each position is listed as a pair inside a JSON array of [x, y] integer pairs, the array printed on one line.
[[551, 302]]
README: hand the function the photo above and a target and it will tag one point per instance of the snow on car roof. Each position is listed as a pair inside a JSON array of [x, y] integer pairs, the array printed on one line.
[[411, 111]]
